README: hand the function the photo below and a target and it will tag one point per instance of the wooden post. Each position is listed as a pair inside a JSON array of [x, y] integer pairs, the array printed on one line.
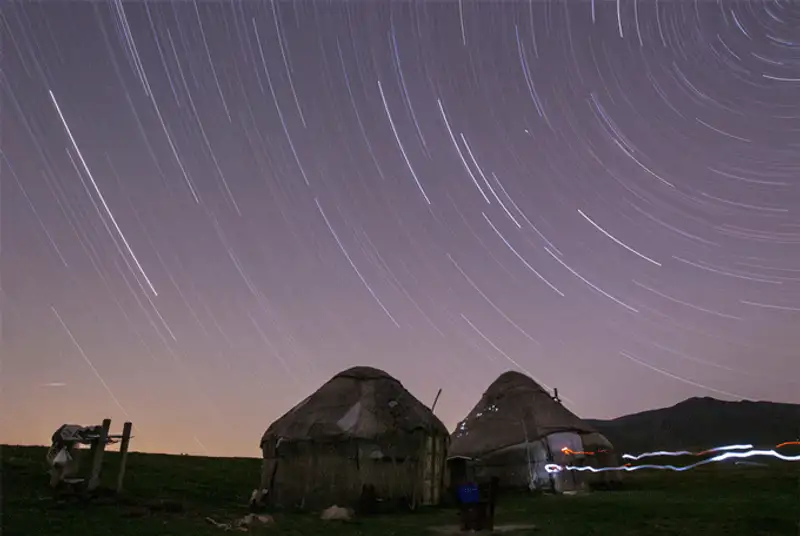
[[493, 488], [435, 400], [98, 447], [123, 454]]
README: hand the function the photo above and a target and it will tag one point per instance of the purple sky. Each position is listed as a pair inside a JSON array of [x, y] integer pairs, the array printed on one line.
[[209, 209]]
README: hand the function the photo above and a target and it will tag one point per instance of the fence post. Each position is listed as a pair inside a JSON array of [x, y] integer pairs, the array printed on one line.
[[98, 447], [123, 454]]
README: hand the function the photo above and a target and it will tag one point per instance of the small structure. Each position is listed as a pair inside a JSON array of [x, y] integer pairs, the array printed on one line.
[[516, 429], [361, 434], [64, 455]]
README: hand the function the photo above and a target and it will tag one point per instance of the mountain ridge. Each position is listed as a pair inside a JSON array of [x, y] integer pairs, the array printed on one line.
[[702, 423]]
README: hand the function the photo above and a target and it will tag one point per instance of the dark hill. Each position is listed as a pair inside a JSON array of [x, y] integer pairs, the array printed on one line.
[[699, 423]]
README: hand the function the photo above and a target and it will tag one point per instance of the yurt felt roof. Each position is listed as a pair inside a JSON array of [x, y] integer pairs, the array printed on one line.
[[514, 408], [358, 403]]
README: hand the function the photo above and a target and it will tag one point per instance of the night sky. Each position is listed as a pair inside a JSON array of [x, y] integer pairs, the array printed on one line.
[[208, 209]]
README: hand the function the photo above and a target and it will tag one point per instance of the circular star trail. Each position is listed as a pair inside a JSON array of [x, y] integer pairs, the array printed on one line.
[[210, 208]]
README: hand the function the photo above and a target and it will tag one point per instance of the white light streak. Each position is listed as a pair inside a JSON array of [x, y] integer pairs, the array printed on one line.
[[400, 144], [352, 264], [617, 241], [100, 195]]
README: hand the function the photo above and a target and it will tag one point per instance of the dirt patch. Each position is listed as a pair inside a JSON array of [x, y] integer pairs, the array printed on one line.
[[447, 530]]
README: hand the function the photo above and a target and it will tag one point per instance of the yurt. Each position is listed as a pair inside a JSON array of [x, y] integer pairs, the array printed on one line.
[[361, 432], [516, 430]]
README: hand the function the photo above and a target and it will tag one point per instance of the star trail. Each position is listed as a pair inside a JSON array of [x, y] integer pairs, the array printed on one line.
[[209, 208]]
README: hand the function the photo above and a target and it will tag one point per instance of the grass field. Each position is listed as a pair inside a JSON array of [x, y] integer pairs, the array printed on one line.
[[172, 496]]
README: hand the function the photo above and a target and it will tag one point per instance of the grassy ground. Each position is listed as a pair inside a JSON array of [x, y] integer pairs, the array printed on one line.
[[172, 496]]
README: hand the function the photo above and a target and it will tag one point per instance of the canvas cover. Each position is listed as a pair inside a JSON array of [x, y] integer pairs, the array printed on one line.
[[513, 410], [361, 403], [360, 428]]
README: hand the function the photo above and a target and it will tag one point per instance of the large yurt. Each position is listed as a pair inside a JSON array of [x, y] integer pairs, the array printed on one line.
[[517, 429], [361, 431]]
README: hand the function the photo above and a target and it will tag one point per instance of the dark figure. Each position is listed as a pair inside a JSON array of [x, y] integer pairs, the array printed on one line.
[[469, 505], [477, 505]]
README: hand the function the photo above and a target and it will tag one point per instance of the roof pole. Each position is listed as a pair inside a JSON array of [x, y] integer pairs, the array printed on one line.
[[435, 400]]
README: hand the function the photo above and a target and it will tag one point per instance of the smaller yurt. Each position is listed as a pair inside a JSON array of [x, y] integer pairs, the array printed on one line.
[[516, 430], [361, 433]]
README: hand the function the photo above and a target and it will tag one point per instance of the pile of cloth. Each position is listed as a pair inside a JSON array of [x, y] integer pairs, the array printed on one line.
[[63, 455]]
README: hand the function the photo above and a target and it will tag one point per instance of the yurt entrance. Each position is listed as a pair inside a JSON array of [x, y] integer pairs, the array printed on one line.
[[566, 448], [433, 462]]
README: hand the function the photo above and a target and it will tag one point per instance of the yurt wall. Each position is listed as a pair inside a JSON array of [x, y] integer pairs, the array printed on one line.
[[311, 474]]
